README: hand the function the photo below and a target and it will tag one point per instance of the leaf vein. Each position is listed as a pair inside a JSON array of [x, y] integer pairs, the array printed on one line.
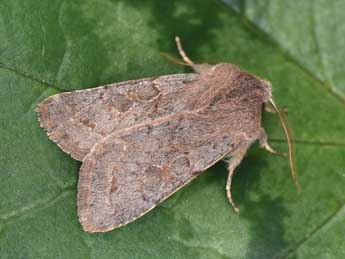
[[26, 75], [312, 233]]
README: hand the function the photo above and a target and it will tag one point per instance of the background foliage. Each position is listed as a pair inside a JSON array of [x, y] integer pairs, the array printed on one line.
[[52, 46]]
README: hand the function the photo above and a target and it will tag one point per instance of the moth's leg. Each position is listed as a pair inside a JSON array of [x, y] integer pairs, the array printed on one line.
[[263, 140], [172, 59], [182, 53], [271, 110], [199, 68], [236, 158]]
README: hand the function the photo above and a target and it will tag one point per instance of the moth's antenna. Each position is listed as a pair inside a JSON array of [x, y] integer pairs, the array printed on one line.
[[182, 53], [288, 135]]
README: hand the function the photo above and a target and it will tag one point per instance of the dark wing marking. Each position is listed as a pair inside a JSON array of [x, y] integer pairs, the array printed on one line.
[[78, 120], [129, 172]]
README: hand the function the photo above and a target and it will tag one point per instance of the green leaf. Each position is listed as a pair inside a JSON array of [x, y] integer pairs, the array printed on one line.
[[310, 32], [51, 46]]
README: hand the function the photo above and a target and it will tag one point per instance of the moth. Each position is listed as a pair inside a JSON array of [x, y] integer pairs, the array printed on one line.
[[140, 141]]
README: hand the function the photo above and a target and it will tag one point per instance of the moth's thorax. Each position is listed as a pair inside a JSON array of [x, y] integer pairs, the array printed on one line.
[[227, 83]]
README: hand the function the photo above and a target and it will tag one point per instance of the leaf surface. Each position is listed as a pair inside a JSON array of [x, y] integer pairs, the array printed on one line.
[[53, 46]]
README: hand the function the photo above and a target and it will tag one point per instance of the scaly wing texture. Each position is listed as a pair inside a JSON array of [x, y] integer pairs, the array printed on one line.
[[78, 120], [131, 171]]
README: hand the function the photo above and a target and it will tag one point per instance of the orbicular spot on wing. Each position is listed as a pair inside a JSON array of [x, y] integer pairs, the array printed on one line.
[[152, 170], [120, 103], [147, 91], [180, 169]]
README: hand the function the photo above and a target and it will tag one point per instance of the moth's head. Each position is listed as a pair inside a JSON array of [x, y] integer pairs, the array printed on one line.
[[267, 87], [239, 83]]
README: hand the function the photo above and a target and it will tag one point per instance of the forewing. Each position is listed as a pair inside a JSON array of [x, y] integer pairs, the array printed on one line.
[[78, 120], [130, 172]]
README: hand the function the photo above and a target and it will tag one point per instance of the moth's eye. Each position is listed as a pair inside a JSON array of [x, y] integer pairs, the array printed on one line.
[[267, 88]]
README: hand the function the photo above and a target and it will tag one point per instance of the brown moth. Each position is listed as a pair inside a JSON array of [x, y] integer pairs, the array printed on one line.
[[142, 140]]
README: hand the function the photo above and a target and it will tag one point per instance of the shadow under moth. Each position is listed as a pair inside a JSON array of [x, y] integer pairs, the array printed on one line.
[[140, 141]]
